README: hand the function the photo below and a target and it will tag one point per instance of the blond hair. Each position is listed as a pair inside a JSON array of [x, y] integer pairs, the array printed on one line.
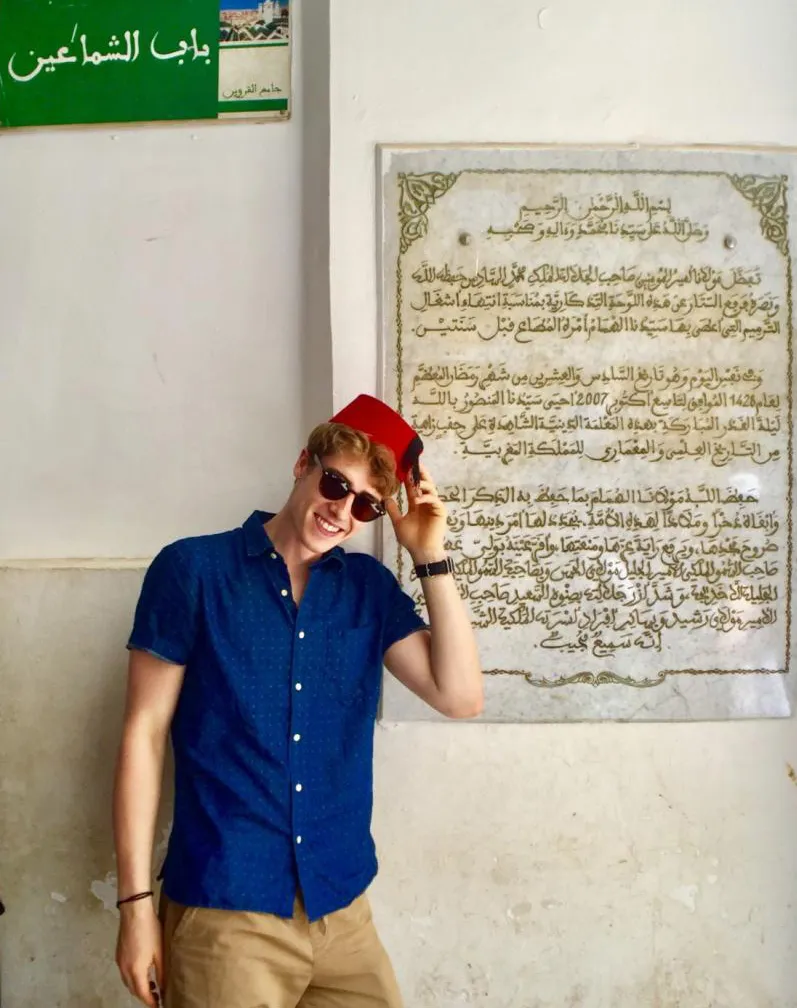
[[340, 439]]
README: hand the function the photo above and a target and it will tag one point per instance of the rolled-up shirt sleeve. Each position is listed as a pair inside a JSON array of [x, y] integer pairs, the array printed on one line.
[[401, 614], [165, 618]]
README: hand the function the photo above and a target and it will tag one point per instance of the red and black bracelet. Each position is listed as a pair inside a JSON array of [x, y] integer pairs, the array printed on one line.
[[134, 899]]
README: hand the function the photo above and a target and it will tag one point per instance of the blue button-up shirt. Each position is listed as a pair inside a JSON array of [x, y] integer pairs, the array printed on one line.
[[273, 730]]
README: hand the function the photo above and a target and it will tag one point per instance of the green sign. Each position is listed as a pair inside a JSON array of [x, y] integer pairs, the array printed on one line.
[[69, 62]]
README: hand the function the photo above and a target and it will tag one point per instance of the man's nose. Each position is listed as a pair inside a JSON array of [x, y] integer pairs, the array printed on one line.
[[342, 508]]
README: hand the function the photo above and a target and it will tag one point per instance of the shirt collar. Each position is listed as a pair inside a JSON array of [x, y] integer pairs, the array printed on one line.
[[258, 542]]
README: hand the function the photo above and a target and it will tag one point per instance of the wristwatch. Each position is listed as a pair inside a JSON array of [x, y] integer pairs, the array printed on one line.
[[434, 569]]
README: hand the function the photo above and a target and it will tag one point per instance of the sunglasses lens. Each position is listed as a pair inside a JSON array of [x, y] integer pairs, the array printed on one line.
[[332, 486], [364, 509]]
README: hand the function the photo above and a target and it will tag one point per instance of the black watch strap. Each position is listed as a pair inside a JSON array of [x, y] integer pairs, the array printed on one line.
[[434, 569]]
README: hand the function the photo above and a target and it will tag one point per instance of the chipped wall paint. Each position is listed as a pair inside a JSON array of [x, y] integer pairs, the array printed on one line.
[[106, 891], [687, 895]]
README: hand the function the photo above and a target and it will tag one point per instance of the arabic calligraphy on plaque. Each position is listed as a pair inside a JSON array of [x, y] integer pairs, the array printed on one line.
[[604, 380]]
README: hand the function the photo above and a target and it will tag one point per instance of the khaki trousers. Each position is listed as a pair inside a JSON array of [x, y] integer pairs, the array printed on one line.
[[231, 959]]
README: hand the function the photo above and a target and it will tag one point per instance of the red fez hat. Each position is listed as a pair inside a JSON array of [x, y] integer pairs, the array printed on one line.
[[384, 426]]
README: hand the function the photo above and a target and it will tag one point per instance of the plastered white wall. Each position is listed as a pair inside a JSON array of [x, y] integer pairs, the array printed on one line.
[[602, 866], [150, 332]]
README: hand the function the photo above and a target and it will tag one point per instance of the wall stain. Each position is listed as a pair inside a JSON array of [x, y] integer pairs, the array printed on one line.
[[792, 775], [105, 890]]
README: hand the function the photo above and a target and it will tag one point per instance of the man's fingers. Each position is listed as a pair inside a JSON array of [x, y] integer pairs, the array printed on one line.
[[129, 981], [158, 964], [433, 502], [392, 509], [425, 487], [141, 988], [414, 491], [424, 493]]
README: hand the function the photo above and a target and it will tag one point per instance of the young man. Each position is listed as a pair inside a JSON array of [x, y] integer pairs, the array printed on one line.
[[262, 650]]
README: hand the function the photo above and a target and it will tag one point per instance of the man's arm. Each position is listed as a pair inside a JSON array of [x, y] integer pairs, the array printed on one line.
[[441, 665], [152, 691]]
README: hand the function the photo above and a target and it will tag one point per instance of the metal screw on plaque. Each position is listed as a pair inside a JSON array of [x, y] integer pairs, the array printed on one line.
[[729, 242], [464, 238]]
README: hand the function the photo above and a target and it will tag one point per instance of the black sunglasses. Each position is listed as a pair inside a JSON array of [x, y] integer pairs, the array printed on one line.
[[334, 486]]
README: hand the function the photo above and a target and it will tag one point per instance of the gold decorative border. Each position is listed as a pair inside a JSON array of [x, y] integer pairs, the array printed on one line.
[[790, 442], [768, 194], [417, 194], [606, 678]]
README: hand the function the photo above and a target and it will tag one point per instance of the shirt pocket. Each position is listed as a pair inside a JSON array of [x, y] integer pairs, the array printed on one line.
[[353, 662]]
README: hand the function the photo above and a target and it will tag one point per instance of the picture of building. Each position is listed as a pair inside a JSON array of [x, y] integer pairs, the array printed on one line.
[[264, 21]]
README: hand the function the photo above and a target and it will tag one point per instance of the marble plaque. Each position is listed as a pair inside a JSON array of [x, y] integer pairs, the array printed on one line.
[[596, 348]]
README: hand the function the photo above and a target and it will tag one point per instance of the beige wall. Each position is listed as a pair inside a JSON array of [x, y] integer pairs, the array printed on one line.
[[62, 675], [604, 866]]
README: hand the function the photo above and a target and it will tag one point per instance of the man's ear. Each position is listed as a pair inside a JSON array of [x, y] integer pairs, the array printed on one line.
[[302, 464]]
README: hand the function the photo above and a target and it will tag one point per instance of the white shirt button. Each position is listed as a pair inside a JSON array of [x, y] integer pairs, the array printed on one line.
[[284, 592], [298, 787], [298, 839], [273, 556], [301, 635], [297, 738], [298, 685]]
